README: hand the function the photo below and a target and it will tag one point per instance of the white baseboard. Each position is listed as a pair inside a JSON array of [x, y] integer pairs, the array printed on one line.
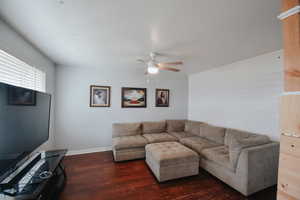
[[91, 150]]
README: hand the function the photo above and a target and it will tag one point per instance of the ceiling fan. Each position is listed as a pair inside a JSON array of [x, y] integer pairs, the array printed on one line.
[[153, 66]]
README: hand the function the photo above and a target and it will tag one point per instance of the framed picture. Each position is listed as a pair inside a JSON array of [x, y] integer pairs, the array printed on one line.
[[162, 97], [21, 96], [99, 96], [134, 97]]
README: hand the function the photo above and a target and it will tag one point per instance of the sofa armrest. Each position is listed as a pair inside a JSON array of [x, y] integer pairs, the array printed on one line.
[[258, 167]]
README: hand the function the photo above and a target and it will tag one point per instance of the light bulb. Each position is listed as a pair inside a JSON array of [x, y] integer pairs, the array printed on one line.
[[152, 70]]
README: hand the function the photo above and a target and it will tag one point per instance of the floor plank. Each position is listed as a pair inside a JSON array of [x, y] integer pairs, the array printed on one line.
[[97, 177]]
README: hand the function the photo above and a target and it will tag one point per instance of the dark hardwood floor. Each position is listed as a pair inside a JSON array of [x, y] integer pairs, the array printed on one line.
[[97, 177]]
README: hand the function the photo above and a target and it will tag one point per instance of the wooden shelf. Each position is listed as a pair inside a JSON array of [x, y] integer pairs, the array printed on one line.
[[289, 161], [290, 115]]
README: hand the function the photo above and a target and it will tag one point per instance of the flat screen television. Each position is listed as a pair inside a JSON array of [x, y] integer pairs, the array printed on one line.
[[24, 125]]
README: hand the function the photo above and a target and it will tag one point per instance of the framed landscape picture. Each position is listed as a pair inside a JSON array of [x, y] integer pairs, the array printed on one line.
[[162, 97], [134, 97], [99, 96]]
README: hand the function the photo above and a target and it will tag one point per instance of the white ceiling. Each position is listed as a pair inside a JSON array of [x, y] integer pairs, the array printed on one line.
[[114, 33]]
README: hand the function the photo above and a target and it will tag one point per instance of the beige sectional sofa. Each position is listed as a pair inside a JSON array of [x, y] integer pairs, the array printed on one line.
[[246, 161]]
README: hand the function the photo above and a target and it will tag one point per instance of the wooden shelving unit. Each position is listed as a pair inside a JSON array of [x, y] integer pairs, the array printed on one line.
[[289, 162]]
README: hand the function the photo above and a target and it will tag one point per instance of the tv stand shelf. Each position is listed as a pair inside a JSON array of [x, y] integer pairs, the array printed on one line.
[[29, 185]]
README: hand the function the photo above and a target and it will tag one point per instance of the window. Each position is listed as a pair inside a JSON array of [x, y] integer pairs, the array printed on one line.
[[15, 72]]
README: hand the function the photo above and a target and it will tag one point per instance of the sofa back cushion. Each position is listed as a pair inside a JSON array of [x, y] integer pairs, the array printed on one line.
[[193, 127], [234, 133], [175, 125], [126, 129], [237, 144], [154, 127], [213, 133]]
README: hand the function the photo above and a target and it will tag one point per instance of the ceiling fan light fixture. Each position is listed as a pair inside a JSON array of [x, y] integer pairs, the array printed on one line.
[[154, 67], [152, 70]]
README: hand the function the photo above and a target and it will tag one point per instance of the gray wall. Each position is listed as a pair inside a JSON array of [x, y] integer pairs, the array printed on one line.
[[242, 95], [16, 45], [80, 127]]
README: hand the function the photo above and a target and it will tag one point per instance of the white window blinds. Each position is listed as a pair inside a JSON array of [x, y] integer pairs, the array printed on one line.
[[15, 72]]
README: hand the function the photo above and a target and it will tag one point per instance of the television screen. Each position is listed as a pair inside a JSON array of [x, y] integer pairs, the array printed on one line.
[[24, 125]]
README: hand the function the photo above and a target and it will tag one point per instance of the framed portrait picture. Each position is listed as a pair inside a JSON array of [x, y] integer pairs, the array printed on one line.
[[134, 97], [99, 96], [162, 97], [21, 96]]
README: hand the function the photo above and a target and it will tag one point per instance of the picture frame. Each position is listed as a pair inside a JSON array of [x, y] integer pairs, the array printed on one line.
[[100, 96], [162, 97], [134, 97], [21, 96]]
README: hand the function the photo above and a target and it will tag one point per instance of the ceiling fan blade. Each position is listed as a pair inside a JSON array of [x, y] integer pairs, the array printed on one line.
[[157, 65], [141, 60], [169, 69], [170, 63]]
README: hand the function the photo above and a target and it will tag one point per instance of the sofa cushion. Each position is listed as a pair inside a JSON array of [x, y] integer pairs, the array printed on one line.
[[213, 133], [126, 142], [238, 144], [180, 135], [175, 125], [219, 155], [159, 137], [234, 133], [193, 127], [126, 129], [197, 143], [154, 127]]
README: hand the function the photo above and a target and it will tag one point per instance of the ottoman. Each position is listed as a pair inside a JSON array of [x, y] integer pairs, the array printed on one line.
[[171, 160]]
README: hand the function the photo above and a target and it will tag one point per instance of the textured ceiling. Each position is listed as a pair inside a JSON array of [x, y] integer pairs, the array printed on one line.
[[114, 33]]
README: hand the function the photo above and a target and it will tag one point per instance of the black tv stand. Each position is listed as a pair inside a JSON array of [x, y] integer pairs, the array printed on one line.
[[28, 184]]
